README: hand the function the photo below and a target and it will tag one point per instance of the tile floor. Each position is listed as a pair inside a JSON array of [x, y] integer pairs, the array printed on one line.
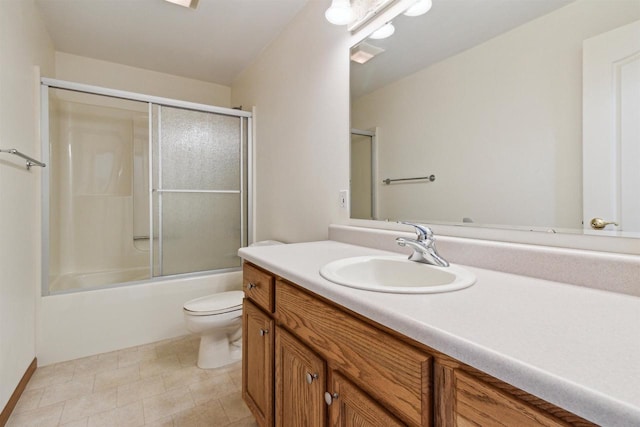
[[156, 384]]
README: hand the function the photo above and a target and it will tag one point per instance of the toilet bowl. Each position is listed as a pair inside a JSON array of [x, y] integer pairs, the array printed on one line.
[[217, 319]]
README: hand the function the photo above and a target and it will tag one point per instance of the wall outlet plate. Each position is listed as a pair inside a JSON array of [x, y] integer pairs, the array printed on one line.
[[342, 198]]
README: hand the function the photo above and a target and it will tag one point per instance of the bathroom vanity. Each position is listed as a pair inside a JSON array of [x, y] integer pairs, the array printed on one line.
[[316, 353]]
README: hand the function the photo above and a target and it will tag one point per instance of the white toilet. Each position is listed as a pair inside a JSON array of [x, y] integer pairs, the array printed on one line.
[[217, 319]]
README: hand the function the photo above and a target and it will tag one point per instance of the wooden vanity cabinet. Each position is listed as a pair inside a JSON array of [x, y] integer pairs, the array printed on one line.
[[309, 362], [258, 343]]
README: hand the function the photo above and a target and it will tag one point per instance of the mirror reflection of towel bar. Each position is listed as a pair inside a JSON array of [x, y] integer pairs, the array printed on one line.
[[30, 161], [431, 178]]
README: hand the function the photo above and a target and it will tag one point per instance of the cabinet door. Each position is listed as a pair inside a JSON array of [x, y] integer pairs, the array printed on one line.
[[257, 363], [394, 374], [300, 383], [351, 407], [465, 400]]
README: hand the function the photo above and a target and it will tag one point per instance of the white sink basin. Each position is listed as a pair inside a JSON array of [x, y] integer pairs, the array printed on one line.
[[396, 274]]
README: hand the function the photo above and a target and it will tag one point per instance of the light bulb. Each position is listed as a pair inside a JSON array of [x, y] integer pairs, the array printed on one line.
[[383, 32], [339, 13], [419, 8]]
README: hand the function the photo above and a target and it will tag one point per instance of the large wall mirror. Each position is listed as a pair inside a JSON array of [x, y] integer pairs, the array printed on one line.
[[522, 114]]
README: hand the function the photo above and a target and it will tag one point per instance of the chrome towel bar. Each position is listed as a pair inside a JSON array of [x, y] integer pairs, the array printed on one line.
[[431, 178], [30, 160]]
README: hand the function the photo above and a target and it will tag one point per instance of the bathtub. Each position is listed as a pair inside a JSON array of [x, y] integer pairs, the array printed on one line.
[[98, 279], [78, 324]]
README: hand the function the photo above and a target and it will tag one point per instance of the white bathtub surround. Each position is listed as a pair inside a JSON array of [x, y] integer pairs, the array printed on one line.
[[81, 324], [97, 279], [572, 346], [599, 270]]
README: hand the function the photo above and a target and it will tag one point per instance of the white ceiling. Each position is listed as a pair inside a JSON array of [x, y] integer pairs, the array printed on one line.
[[213, 43], [219, 39], [450, 27]]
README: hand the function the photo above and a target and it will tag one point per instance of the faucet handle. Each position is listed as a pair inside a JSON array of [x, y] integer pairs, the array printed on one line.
[[423, 232]]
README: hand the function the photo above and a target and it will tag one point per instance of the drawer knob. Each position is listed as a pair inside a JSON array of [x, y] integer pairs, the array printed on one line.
[[263, 332], [328, 397], [311, 377], [251, 285]]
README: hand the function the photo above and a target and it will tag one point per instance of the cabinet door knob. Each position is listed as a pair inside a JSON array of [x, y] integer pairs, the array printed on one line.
[[311, 377], [328, 397], [251, 285], [263, 332]]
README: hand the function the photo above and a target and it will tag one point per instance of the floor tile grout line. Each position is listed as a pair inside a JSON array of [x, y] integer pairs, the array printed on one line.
[[181, 350], [62, 412]]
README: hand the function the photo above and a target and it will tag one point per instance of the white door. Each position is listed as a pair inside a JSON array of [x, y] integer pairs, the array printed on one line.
[[611, 128]]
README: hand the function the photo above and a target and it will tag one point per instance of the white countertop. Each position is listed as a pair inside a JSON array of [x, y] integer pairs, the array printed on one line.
[[575, 347]]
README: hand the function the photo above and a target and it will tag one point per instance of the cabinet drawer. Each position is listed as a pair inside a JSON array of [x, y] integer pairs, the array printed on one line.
[[258, 286], [395, 374]]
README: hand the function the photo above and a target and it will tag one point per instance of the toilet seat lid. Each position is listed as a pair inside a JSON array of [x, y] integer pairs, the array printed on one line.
[[223, 302]]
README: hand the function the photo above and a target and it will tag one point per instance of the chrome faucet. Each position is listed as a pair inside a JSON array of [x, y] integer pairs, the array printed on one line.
[[424, 249]]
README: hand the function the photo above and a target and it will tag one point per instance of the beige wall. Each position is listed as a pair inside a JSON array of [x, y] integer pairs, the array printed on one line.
[[501, 106], [299, 86], [23, 44], [81, 69]]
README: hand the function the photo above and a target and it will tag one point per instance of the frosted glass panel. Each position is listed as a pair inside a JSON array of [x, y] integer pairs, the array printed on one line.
[[199, 151], [200, 231]]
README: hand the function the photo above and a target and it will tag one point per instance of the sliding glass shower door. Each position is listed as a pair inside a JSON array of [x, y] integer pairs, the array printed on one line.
[[197, 190], [139, 187]]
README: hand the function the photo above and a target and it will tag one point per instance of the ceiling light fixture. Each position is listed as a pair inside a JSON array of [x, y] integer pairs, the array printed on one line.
[[420, 7], [383, 32], [340, 12], [186, 3], [364, 52]]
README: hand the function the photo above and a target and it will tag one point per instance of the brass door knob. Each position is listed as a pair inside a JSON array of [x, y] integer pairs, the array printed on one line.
[[599, 223]]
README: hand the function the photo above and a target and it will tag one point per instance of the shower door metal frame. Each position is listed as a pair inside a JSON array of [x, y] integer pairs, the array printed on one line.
[[246, 219]]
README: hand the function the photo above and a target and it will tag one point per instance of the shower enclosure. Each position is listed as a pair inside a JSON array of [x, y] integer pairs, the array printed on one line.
[[139, 187]]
